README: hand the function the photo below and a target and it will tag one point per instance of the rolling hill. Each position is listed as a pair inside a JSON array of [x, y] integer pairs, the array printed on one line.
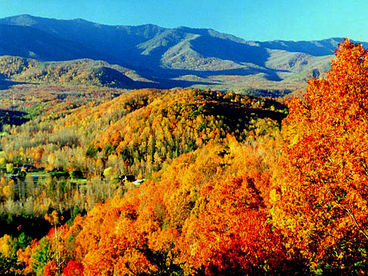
[[170, 57], [79, 72]]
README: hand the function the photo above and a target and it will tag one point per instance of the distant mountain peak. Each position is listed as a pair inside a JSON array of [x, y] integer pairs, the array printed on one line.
[[22, 20], [81, 20]]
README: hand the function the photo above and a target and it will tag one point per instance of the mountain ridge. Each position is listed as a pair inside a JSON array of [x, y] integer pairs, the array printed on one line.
[[171, 57]]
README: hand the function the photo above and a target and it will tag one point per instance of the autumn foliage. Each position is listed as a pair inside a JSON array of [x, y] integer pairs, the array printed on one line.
[[80, 152], [225, 190], [321, 202], [205, 213]]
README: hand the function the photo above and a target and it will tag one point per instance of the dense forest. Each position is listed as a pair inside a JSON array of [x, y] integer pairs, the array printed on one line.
[[79, 72], [102, 181]]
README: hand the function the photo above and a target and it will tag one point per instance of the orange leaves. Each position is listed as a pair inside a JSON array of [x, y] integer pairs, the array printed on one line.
[[203, 213], [323, 176], [231, 233], [50, 269], [110, 238], [73, 269], [53, 218], [27, 257]]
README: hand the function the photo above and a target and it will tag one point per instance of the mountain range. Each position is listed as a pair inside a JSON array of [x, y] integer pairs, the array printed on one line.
[[153, 56]]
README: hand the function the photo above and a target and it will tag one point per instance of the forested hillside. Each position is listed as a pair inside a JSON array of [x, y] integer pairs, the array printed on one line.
[[83, 72], [188, 182], [133, 134]]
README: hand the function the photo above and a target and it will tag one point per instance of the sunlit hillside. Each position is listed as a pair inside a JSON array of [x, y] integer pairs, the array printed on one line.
[[105, 181]]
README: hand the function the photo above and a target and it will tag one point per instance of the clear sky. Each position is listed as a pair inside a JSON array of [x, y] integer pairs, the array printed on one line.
[[248, 19]]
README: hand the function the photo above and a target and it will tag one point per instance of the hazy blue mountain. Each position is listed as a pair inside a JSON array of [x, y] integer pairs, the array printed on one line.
[[172, 57], [29, 42], [113, 42]]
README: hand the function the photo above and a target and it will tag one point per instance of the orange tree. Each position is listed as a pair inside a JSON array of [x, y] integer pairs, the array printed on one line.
[[205, 213], [320, 199]]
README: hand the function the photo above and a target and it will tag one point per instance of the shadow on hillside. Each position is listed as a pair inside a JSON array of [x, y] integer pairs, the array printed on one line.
[[230, 50], [269, 74], [166, 84], [163, 75], [165, 78], [149, 65], [235, 112], [318, 48], [36, 227], [9, 117], [7, 84], [206, 46]]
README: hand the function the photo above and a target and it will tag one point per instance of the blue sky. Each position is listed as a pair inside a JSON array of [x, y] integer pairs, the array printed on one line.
[[249, 19]]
